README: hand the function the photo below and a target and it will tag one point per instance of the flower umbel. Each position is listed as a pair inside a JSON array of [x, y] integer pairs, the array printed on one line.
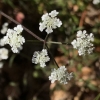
[[14, 38], [4, 28], [3, 53], [40, 57], [50, 22], [96, 2], [61, 75], [83, 43]]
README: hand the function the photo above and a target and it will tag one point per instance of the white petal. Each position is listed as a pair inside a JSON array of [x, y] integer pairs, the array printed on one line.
[[53, 13]]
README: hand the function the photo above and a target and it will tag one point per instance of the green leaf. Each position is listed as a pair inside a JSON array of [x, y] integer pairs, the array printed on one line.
[[97, 97], [92, 87]]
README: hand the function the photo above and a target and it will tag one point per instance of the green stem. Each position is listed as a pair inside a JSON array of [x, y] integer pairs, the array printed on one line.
[[52, 56], [45, 41], [59, 43], [34, 41], [49, 42]]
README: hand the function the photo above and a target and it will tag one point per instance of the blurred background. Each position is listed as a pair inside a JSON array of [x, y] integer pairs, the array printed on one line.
[[22, 80]]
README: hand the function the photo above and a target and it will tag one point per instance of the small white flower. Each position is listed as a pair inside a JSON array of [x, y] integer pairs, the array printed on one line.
[[61, 75], [14, 39], [96, 2], [2, 42], [42, 26], [5, 24], [3, 53], [4, 28], [83, 42], [18, 29], [45, 17], [53, 13], [50, 22], [40, 57]]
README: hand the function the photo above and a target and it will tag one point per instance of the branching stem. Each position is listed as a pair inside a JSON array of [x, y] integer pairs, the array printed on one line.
[[27, 30], [51, 56], [49, 42]]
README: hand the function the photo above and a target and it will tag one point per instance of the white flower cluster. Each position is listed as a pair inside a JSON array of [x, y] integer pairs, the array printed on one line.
[[3, 53], [83, 43], [2, 42], [96, 2], [50, 22], [4, 28], [40, 57], [14, 39], [61, 75]]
